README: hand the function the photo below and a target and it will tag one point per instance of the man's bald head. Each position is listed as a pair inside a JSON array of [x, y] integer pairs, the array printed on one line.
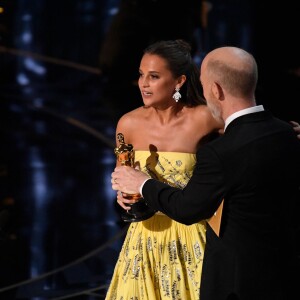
[[234, 69]]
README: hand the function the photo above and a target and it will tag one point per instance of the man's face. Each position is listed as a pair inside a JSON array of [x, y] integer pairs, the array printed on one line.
[[213, 103]]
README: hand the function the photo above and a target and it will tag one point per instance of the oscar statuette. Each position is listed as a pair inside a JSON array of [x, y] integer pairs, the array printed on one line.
[[139, 211]]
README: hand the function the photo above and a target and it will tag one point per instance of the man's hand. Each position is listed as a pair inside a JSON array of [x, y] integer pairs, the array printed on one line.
[[296, 127], [127, 179]]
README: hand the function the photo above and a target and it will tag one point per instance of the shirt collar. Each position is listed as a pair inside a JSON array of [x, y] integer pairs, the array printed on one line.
[[243, 112]]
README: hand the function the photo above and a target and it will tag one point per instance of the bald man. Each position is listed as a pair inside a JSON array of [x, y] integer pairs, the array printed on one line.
[[253, 167]]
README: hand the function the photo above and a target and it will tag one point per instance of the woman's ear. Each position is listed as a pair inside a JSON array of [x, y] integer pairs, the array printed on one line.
[[181, 80], [217, 91]]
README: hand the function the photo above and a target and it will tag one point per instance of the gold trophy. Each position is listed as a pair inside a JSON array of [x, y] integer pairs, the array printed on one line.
[[139, 211]]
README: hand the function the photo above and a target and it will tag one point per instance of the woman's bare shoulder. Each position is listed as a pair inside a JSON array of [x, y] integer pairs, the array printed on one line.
[[203, 118], [131, 116], [130, 122], [202, 112]]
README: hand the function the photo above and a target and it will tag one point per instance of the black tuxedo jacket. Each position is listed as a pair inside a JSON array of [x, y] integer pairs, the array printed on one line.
[[255, 167]]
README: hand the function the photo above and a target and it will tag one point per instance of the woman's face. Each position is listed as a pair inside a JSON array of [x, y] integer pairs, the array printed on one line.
[[156, 82]]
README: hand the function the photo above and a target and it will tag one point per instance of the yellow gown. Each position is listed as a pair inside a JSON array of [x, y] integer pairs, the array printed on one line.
[[161, 258]]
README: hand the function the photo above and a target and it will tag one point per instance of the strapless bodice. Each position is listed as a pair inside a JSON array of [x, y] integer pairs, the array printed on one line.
[[173, 168]]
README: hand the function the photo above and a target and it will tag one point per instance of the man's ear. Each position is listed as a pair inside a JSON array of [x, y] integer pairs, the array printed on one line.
[[217, 91]]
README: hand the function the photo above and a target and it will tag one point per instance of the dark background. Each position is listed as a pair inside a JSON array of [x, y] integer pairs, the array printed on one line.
[[68, 71]]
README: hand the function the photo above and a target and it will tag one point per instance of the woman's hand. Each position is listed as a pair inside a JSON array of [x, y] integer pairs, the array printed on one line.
[[123, 202]]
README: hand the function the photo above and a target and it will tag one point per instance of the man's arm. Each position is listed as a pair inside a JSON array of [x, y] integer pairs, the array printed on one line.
[[197, 201]]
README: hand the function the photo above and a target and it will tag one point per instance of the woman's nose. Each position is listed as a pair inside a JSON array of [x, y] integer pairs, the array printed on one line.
[[144, 82]]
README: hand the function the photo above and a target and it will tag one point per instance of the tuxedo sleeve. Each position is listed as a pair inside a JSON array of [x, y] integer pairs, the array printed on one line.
[[199, 199]]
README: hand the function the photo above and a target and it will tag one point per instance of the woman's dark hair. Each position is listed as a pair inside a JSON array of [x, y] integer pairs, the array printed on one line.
[[177, 54]]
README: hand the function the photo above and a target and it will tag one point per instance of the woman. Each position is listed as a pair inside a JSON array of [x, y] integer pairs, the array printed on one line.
[[160, 258]]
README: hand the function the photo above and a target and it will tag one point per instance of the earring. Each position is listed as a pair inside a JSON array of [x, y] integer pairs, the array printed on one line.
[[177, 95]]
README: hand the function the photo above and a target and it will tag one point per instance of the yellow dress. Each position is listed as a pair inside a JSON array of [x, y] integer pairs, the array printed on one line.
[[161, 258]]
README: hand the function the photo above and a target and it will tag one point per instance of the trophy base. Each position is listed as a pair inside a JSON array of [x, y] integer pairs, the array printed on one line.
[[139, 212]]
